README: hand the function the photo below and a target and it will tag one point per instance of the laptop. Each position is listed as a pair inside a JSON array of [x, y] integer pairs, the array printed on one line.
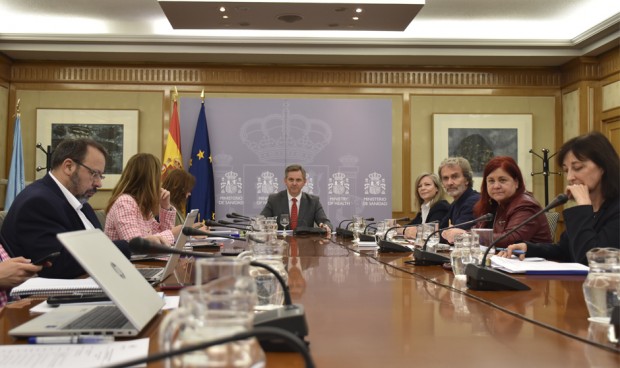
[[135, 302], [155, 275]]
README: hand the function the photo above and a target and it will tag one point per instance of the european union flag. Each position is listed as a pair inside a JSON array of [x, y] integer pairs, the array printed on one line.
[[201, 166], [16, 181]]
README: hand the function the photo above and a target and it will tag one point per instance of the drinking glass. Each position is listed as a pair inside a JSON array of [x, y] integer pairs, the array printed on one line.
[[433, 240], [389, 224], [601, 290], [285, 219], [461, 256], [357, 227]]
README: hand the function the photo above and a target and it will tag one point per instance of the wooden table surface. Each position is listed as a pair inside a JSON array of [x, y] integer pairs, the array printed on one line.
[[368, 309]]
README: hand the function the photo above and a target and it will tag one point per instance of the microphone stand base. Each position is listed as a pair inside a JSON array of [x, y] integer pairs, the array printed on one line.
[[291, 318], [424, 258], [387, 246], [483, 278]]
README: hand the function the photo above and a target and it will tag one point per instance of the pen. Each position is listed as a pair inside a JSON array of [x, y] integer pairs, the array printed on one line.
[[70, 339], [516, 251]]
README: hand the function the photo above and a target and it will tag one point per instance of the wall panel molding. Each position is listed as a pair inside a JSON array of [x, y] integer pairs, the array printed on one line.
[[286, 76]]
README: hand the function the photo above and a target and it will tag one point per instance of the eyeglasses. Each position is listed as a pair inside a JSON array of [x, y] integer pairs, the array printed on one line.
[[93, 173]]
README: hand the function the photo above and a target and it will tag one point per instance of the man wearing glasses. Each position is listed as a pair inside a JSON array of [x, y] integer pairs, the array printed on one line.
[[58, 203]]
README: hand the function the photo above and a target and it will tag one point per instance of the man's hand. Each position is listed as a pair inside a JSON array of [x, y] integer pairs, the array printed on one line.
[[328, 231]]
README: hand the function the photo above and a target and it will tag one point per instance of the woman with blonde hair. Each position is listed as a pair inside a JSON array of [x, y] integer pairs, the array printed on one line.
[[180, 184], [139, 207], [430, 201]]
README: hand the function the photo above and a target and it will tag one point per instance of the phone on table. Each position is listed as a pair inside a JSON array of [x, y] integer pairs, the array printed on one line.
[[77, 298], [50, 257]]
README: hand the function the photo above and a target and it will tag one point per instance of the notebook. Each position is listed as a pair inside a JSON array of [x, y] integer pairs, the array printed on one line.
[[156, 275], [45, 286], [135, 300]]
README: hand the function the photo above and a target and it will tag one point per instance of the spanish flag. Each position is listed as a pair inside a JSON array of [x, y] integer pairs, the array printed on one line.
[[172, 157]]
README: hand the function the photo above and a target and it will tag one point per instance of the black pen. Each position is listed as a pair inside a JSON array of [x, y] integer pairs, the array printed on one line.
[[516, 251]]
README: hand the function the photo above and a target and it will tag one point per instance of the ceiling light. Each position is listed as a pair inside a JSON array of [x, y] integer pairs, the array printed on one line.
[[359, 10], [222, 9]]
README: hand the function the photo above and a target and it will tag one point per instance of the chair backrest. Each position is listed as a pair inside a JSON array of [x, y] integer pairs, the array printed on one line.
[[552, 219], [2, 216], [101, 217]]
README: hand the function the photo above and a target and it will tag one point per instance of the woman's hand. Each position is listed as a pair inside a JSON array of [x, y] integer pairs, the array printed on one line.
[[509, 250], [579, 193], [450, 234], [15, 271], [164, 199], [411, 232]]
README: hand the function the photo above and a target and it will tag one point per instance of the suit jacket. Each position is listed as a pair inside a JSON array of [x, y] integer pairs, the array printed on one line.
[[435, 214], [584, 230], [461, 210], [37, 215], [310, 209]]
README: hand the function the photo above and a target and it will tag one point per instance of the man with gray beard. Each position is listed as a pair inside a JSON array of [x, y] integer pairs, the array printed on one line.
[[58, 203]]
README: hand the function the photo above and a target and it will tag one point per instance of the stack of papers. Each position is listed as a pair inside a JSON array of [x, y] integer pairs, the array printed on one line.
[[367, 245], [538, 267]]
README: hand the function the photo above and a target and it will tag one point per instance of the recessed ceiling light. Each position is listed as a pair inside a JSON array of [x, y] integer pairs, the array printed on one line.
[[222, 9], [225, 16], [359, 10], [356, 18]]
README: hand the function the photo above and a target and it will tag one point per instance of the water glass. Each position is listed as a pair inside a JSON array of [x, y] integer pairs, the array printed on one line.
[[389, 224], [285, 219], [433, 240], [461, 255], [357, 227], [601, 289]]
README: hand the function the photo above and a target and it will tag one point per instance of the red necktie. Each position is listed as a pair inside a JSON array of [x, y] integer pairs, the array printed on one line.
[[294, 214]]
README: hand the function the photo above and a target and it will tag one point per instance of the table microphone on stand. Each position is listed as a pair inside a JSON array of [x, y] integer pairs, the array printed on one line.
[[344, 231], [422, 257], [290, 317], [479, 277]]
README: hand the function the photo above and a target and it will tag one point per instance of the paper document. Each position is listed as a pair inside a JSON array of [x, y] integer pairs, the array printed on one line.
[[367, 245], [538, 268], [72, 355]]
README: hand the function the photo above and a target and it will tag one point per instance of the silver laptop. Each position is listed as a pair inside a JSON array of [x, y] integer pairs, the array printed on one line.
[[135, 302], [156, 275]]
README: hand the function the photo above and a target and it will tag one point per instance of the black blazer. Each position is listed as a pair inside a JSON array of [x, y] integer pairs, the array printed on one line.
[[310, 209], [584, 230], [435, 214], [37, 215]]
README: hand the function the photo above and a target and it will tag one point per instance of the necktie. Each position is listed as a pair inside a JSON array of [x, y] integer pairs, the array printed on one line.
[[294, 214]]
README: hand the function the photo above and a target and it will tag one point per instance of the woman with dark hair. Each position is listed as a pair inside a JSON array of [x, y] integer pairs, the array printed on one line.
[[180, 184], [592, 169], [503, 194]]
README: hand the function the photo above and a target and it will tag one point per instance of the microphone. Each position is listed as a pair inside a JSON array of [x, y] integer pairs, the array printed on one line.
[[345, 232], [228, 224], [388, 246], [479, 277], [422, 257], [261, 333], [237, 220], [190, 231], [238, 216], [291, 317]]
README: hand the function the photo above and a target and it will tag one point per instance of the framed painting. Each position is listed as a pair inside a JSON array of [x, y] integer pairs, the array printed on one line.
[[116, 130], [479, 137]]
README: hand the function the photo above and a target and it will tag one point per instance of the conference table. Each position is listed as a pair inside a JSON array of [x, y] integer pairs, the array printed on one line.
[[365, 308]]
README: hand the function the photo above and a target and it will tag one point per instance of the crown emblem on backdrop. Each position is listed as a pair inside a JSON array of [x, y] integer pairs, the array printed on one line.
[[348, 160], [298, 138], [222, 159], [231, 184]]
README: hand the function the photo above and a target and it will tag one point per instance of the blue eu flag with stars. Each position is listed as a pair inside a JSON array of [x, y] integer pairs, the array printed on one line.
[[201, 166]]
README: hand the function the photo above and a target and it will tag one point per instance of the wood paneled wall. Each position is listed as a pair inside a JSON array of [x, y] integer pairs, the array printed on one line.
[[416, 92]]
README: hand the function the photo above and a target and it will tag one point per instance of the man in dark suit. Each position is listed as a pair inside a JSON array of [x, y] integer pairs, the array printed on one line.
[[457, 179], [57, 203], [292, 200]]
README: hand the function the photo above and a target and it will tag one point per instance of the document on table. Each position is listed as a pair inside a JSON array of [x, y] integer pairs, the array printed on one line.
[[367, 245], [538, 268], [72, 355]]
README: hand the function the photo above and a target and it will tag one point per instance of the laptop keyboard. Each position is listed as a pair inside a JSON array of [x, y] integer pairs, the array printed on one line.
[[149, 273], [102, 317]]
